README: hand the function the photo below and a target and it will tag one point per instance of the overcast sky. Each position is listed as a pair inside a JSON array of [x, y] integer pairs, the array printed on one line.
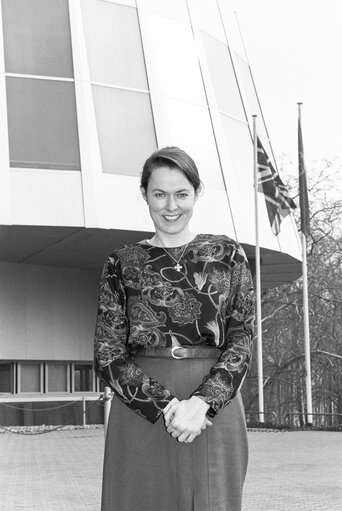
[[295, 49]]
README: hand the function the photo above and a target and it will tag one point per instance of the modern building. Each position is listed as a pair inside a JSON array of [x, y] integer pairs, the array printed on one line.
[[88, 89]]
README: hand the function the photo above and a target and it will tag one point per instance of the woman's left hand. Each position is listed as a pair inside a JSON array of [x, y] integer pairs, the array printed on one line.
[[186, 419]]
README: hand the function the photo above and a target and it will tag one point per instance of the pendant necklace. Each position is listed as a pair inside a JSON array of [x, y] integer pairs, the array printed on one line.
[[178, 267]]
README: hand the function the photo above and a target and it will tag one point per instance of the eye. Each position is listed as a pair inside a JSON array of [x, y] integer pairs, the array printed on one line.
[[159, 195], [182, 195]]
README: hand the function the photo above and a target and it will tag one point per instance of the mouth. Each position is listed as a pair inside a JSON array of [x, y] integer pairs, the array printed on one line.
[[171, 218]]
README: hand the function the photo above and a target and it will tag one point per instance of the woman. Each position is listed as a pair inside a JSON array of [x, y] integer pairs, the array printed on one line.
[[173, 342]]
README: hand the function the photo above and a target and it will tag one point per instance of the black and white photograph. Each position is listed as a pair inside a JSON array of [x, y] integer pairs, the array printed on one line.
[[170, 255]]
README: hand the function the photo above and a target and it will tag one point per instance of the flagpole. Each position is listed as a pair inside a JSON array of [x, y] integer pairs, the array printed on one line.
[[306, 308], [258, 278]]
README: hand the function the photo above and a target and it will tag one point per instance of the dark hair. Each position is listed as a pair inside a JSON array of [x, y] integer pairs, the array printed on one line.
[[171, 157]]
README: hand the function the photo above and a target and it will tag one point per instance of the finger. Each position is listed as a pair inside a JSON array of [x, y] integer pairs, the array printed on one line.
[[167, 420], [183, 436], [167, 407], [169, 414], [171, 428], [176, 433], [205, 424], [190, 439], [172, 403]]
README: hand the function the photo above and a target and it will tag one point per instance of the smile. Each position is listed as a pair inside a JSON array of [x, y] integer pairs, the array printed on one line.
[[171, 218]]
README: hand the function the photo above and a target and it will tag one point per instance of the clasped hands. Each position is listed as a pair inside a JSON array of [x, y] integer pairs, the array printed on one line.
[[186, 419]]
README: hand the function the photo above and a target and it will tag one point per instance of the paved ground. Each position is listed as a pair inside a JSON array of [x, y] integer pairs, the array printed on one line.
[[294, 470], [61, 471]]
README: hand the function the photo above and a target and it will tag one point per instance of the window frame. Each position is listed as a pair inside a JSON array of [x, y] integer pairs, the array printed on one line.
[[13, 367], [41, 377], [78, 392], [53, 166], [46, 377]]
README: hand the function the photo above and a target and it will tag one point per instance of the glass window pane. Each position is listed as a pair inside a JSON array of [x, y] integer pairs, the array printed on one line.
[[57, 378], [247, 86], [114, 44], [6, 378], [125, 127], [173, 54], [30, 378], [42, 124], [240, 148], [101, 386], [37, 37], [190, 127], [223, 77], [83, 378]]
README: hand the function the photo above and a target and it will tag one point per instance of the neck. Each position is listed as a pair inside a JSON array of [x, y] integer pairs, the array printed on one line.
[[172, 240]]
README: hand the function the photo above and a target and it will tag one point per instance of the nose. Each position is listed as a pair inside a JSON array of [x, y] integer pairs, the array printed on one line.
[[171, 203]]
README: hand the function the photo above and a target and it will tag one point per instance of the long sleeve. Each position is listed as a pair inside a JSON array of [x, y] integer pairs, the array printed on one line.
[[113, 358], [228, 373]]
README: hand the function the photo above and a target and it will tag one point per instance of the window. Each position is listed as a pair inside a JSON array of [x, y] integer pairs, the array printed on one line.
[[124, 120], [83, 378], [57, 377], [100, 386], [48, 377], [7, 377], [42, 124], [42, 121], [30, 378], [223, 77], [37, 37], [114, 44], [248, 88]]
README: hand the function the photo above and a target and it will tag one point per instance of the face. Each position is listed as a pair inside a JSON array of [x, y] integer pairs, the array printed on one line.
[[171, 198]]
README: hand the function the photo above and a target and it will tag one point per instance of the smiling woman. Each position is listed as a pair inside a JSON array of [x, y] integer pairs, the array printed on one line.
[[170, 184], [173, 334], [171, 200]]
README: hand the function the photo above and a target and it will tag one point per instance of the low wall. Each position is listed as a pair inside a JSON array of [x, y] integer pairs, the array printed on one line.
[[36, 413]]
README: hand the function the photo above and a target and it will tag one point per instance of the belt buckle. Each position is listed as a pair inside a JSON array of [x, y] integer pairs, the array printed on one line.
[[173, 349]]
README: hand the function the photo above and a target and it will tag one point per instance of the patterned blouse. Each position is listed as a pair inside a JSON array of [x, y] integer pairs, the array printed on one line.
[[144, 301]]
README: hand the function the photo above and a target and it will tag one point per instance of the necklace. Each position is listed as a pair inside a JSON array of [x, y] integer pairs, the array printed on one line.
[[178, 267]]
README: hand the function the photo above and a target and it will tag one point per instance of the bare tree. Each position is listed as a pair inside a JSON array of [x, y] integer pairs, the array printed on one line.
[[282, 324]]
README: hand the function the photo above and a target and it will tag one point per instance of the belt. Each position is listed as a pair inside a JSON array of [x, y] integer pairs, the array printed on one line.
[[180, 352]]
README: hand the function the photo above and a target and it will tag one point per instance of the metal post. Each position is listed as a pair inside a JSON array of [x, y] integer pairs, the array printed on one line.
[[306, 336], [258, 280], [84, 411], [305, 228], [107, 404]]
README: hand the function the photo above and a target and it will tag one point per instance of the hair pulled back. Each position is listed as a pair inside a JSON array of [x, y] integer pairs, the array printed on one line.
[[173, 158]]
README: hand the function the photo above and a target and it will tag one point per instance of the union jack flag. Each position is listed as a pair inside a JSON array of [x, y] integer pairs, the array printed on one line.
[[278, 201]]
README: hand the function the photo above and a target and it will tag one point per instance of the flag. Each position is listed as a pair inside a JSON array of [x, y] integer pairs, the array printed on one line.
[[278, 201], [303, 190]]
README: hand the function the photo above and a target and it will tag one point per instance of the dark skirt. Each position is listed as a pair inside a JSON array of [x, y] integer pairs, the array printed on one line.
[[145, 469]]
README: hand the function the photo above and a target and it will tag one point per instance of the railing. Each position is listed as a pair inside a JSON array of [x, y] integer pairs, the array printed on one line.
[[253, 412], [18, 404], [301, 414]]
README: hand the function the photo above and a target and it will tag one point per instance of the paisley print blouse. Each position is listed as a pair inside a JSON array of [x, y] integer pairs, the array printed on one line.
[[144, 301]]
